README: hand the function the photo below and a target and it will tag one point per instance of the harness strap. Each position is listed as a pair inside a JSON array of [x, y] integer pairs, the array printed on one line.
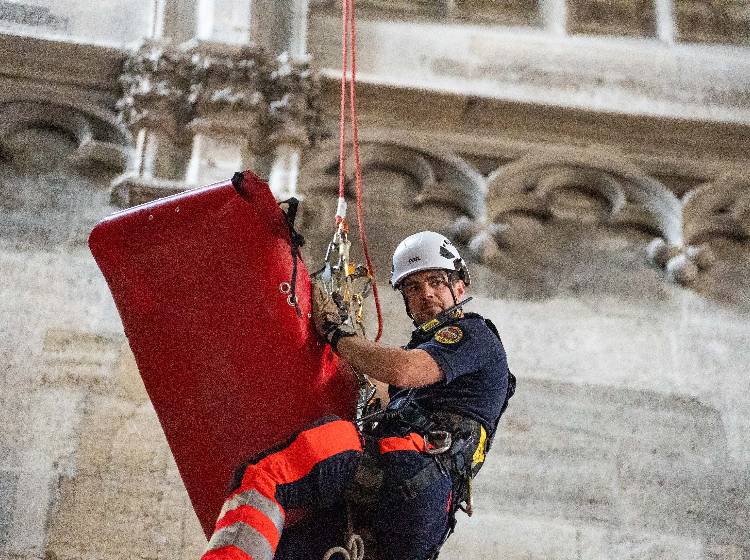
[[423, 479], [410, 442], [296, 241]]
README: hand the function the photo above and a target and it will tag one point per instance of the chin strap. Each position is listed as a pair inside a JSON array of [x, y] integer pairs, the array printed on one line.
[[443, 317]]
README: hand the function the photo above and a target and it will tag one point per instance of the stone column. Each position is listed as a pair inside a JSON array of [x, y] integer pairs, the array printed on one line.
[[554, 16], [665, 24], [174, 20], [230, 104], [223, 21], [287, 109], [156, 82]]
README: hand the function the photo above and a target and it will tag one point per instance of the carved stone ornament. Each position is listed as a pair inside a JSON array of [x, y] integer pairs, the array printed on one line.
[[230, 79], [440, 177], [294, 113], [157, 87], [223, 90], [618, 194], [98, 141], [586, 186]]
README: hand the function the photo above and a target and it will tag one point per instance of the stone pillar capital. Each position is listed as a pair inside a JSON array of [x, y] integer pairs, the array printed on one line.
[[156, 87], [221, 89]]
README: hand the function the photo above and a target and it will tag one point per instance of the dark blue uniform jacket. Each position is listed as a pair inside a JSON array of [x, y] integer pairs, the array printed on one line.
[[475, 367]]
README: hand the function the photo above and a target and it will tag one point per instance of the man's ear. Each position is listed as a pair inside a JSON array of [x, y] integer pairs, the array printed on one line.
[[459, 288]]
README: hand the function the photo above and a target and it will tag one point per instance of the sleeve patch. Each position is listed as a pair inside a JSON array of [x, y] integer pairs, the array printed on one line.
[[449, 335]]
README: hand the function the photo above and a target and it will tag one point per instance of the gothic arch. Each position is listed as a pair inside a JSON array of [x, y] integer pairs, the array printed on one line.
[[720, 208], [621, 195], [441, 177], [630, 195], [98, 137]]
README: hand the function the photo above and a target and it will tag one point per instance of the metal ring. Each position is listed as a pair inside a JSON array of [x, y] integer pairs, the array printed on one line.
[[442, 442], [291, 300], [285, 288]]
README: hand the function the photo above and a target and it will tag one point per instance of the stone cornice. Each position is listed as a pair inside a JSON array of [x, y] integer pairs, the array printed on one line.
[[222, 90], [507, 130], [610, 74], [75, 65]]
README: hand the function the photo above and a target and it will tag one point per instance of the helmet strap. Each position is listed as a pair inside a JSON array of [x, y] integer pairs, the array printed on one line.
[[453, 294], [448, 282], [406, 305]]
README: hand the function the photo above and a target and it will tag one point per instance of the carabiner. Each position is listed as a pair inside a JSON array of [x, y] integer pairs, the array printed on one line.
[[437, 442]]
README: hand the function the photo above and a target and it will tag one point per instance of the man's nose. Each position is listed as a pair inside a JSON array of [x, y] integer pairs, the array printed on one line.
[[426, 290]]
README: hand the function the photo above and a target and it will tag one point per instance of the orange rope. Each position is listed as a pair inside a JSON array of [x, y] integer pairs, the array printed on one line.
[[342, 117], [349, 27]]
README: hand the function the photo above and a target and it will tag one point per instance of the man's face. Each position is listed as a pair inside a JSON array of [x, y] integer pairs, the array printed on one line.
[[428, 293]]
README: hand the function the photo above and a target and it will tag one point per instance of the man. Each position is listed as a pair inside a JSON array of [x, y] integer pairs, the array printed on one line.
[[448, 388]]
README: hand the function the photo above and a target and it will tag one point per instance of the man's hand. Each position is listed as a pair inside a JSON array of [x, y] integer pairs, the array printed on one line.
[[403, 368], [327, 316]]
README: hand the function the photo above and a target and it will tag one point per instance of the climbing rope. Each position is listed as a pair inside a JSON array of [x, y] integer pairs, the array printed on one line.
[[349, 53], [354, 550]]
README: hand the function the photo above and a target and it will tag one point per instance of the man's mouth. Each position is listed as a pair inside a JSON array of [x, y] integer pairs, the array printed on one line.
[[431, 306]]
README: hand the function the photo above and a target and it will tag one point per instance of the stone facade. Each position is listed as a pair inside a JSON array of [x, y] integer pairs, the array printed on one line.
[[610, 247]]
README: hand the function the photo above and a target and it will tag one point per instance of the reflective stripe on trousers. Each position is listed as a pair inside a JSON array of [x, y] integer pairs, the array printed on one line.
[[252, 518], [250, 523]]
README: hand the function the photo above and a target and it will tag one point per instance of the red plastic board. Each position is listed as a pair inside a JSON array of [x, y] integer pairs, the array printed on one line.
[[229, 365]]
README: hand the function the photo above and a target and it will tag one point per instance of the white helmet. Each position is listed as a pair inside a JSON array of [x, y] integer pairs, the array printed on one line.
[[426, 250]]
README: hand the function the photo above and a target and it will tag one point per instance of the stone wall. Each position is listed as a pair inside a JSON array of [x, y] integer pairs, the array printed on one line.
[[627, 437], [602, 203], [126, 21]]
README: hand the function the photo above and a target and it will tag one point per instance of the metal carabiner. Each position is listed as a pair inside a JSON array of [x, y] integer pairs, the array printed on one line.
[[437, 442]]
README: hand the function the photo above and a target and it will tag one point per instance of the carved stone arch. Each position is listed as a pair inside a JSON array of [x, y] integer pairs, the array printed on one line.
[[631, 196], [98, 137], [720, 208], [325, 164], [26, 114], [440, 177], [618, 194], [108, 124]]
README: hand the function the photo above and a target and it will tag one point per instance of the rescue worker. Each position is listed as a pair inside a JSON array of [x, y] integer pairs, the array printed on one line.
[[448, 386]]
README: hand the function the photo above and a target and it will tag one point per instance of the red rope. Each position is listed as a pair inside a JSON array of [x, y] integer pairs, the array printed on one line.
[[342, 117], [350, 27]]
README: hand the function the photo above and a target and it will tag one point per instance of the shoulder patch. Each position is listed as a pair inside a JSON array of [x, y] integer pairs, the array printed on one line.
[[449, 335]]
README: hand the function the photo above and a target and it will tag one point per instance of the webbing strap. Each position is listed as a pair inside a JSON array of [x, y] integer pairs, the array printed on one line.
[[410, 442], [420, 481], [296, 241]]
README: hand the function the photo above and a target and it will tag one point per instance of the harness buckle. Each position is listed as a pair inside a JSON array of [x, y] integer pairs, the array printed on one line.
[[437, 442]]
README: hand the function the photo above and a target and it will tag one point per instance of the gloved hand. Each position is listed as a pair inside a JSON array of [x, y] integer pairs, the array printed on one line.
[[328, 318]]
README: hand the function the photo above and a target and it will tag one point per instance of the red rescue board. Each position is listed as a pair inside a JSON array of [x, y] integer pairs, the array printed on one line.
[[229, 365]]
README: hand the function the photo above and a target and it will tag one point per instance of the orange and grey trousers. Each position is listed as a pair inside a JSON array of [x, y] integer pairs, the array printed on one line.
[[311, 472]]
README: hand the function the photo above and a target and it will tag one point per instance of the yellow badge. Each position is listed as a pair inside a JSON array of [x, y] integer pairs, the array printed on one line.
[[449, 335]]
